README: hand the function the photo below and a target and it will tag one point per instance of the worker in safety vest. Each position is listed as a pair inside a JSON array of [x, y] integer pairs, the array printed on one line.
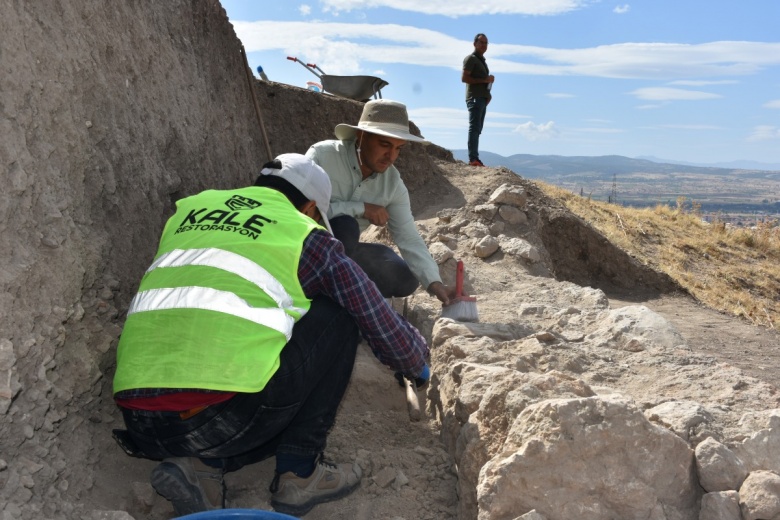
[[241, 340]]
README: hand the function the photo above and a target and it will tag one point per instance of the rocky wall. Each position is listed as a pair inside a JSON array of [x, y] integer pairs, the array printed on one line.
[[555, 406]]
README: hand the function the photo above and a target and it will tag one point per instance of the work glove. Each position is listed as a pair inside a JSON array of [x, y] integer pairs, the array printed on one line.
[[419, 381]]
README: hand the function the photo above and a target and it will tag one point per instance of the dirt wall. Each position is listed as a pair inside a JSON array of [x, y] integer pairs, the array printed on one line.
[[107, 115]]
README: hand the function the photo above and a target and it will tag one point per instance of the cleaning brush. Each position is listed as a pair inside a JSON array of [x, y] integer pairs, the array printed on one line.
[[462, 308]]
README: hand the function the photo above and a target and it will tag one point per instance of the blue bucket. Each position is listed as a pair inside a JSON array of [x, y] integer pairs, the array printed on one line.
[[237, 514]]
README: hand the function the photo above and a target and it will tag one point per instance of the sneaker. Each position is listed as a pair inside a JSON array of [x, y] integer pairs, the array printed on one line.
[[293, 495], [189, 484], [476, 162]]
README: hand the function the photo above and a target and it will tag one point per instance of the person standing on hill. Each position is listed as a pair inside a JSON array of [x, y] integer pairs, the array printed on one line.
[[479, 81]]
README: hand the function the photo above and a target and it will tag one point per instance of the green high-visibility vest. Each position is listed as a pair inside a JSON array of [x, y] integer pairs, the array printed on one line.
[[220, 300]]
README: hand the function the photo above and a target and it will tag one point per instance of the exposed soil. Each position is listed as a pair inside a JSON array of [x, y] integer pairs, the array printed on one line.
[[754, 350]]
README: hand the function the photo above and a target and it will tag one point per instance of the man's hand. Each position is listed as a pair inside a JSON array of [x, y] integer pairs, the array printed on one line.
[[419, 381], [442, 292], [490, 79], [377, 215]]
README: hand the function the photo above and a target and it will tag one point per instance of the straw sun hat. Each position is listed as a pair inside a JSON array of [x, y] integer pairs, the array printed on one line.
[[383, 117]]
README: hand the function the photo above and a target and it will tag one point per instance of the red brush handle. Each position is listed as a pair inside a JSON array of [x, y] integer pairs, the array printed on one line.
[[459, 279]]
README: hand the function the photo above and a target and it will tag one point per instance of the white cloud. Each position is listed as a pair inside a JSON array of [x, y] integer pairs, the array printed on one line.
[[598, 130], [559, 95], [304, 9], [672, 94], [703, 83], [692, 127], [455, 8], [448, 118], [775, 103], [533, 132], [504, 115], [439, 117], [353, 48], [764, 133], [650, 106], [668, 61], [621, 9]]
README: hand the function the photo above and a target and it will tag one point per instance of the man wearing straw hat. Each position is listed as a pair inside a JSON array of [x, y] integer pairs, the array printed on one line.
[[367, 189], [241, 342]]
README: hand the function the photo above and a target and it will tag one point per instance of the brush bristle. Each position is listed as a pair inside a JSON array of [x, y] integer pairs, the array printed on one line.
[[464, 309]]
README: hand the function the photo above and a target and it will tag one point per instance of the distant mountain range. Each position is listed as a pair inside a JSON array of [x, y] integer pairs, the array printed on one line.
[[642, 182], [557, 167], [738, 165]]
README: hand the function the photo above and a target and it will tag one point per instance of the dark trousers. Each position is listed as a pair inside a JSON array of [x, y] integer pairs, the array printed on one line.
[[292, 414], [477, 109], [383, 266]]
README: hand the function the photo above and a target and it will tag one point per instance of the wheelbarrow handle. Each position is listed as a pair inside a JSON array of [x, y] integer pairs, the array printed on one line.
[[304, 65], [313, 66]]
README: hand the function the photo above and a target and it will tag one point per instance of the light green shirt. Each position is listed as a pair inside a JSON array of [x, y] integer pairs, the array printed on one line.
[[350, 192]]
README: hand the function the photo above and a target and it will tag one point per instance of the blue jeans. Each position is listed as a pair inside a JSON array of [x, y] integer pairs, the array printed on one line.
[[292, 414], [386, 269], [477, 109]]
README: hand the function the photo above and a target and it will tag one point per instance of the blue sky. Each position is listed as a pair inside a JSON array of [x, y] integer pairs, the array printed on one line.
[[682, 80]]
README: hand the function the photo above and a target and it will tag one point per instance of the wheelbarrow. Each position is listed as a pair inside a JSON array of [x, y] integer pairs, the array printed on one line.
[[360, 88]]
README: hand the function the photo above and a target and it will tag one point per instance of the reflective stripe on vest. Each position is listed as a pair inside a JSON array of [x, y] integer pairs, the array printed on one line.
[[230, 262], [213, 300], [216, 300]]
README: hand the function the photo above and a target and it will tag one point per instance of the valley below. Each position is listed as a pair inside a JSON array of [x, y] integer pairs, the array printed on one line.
[[742, 197]]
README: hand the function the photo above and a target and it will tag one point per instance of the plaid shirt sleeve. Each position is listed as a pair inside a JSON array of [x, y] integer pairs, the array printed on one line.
[[324, 269]]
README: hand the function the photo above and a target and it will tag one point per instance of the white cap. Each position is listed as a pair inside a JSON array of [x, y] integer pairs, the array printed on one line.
[[310, 179]]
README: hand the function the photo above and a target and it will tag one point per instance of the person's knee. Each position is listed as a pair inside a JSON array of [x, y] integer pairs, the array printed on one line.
[[406, 286], [327, 329], [347, 230], [402, 281], [387, 270], [323, 308], [337, 328]]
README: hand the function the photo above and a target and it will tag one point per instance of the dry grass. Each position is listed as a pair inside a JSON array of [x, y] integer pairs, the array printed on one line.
[[730, 269]]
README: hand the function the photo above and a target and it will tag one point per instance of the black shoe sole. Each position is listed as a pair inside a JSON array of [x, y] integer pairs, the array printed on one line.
[[171, 483]]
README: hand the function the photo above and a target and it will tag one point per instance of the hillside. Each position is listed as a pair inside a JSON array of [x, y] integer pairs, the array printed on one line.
[[568, 399], [729, 269], [645, 183]]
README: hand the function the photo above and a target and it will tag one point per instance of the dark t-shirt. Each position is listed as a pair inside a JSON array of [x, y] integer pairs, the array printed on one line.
[[476, 65]]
